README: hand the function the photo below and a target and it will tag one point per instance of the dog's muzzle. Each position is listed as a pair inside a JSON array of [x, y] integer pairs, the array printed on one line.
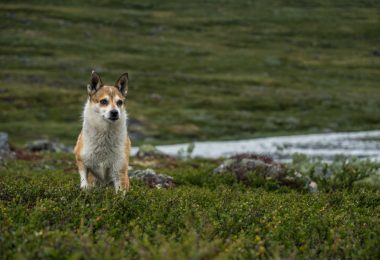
[[114, 115]]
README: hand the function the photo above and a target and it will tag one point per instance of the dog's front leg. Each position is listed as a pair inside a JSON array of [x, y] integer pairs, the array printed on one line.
[[83, 173], [121, 181], [83, 179]]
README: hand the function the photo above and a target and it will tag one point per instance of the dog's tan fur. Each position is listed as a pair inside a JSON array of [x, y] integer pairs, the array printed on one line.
[[103, 146]]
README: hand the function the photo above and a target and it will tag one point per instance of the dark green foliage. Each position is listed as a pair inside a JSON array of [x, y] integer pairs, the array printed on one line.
[[342, 173], [43, 214]]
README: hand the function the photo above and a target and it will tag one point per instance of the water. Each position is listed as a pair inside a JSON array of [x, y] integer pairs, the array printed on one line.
[[364, 144]]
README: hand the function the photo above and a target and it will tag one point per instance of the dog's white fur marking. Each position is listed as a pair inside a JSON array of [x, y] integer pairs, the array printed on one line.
[[103, 144], [83, 179]]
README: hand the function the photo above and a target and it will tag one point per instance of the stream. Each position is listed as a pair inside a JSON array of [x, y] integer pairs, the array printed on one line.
[[326, 146]]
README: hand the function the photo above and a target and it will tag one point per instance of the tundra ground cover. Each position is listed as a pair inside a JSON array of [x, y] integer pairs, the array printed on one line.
[[44, 214]]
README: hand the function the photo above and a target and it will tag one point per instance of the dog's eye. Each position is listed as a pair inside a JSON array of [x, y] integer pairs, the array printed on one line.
[[104, 102], [119, 103]]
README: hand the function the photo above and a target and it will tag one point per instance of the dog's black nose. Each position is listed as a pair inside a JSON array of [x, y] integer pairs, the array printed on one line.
[[114, 114]]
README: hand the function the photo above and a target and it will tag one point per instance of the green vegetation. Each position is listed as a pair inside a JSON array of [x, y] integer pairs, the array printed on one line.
[[199, 69], [43, 214]]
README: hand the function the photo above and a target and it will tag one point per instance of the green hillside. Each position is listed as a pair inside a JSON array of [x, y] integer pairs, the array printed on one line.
[[198, 69]]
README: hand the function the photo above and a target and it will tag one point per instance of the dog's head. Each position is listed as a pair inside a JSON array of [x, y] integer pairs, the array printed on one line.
[[107, 101]]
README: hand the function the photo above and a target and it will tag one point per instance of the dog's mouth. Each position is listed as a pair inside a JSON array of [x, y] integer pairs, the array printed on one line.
[[113, 118]]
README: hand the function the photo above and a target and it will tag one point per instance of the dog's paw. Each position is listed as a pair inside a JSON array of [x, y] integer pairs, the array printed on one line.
[[122, 192], [84, 186]]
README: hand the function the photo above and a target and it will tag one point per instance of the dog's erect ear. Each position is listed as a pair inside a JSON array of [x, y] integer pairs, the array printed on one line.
[[122, 84], [95, 83]]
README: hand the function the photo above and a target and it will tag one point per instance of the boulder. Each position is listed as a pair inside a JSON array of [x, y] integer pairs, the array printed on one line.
[[244, 163], [245, 166], [44, 145], [152, 179]]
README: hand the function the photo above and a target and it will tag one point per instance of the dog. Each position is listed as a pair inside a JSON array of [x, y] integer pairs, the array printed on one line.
[[103, 146]]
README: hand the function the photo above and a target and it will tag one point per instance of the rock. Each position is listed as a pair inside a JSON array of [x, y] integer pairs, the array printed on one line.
[[152, 179], [149, 151], [313, 187], [48, 146], [224, 166], [244, 165], [5, 151], [376, 53]]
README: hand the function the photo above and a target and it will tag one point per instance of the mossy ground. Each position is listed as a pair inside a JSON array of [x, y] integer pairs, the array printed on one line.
[[43, 214], [199, 70]]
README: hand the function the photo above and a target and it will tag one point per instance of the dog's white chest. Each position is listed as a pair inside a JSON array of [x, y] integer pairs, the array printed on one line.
[[104, 156]]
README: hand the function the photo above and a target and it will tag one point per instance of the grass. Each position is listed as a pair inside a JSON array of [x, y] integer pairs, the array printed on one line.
[[43, 214], [199, 70]]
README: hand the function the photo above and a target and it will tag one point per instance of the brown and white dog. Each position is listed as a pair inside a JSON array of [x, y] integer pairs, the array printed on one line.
[[103, 146]]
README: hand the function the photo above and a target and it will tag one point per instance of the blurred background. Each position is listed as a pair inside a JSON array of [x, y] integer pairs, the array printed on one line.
[[199, 70]]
